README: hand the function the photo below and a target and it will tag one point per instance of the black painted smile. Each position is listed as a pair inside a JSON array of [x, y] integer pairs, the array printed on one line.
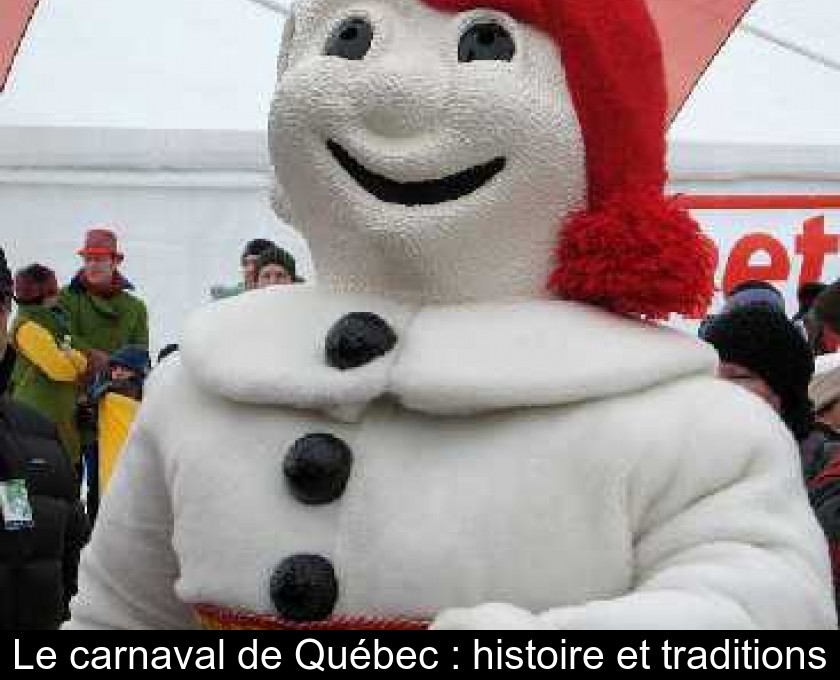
[[428, 192]]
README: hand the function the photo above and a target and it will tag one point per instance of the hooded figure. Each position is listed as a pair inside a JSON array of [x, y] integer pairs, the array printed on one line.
[[447, 431], [758, 340]]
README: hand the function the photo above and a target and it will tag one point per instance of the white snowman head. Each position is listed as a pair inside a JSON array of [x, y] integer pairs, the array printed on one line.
[[446, 151]]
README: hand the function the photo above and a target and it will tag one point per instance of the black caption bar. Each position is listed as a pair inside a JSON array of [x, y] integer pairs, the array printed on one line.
[[424, 652]]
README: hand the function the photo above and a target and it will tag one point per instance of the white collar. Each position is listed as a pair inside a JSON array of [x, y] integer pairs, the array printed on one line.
[[267, 347]]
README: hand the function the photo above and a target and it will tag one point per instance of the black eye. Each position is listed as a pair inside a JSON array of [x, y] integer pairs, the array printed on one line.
[[487, 41], [351, 39]]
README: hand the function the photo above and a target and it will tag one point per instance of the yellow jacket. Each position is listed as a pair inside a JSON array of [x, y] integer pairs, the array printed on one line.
[[46, 376], [116, 415], [39, 346]]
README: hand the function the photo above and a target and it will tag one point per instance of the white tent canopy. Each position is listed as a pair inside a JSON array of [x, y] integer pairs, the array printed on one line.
[[151, 116], [768, 107], [186, 84], [158, 83]]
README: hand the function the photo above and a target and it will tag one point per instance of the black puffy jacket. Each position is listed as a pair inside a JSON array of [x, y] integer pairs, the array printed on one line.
[[38, 566], [7, 364]]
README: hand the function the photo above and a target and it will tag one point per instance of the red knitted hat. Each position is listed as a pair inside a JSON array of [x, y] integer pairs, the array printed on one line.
[[34, 284], [631, 251]]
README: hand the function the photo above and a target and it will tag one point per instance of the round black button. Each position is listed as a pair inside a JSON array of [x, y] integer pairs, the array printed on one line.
[[317, 468], [357, 339], [304, 588]]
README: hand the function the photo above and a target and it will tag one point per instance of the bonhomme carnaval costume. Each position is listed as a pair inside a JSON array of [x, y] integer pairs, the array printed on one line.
[[447, 430]]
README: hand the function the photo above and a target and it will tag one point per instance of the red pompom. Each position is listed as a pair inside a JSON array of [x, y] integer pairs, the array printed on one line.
[[639, 255]]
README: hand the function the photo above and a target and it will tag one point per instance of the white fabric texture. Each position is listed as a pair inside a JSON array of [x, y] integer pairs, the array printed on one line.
[[453, 360], [412, 112], [675, 503], [517, 462]]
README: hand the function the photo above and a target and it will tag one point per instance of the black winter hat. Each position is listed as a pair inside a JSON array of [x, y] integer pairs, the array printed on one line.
[[761, 338], [257, 247]]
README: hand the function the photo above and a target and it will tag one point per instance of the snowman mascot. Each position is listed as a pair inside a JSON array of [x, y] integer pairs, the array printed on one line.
[[473, 420]]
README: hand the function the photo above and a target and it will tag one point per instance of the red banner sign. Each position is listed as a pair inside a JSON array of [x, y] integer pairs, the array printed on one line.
[[784, 240]]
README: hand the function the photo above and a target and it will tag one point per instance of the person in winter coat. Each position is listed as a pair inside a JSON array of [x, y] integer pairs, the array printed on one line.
[[276, 267], [248, 261], [38, 563], [38, 558], [128, 369], [761, 350], [118, 395], [48, 371], [104, 316], [472, 421]]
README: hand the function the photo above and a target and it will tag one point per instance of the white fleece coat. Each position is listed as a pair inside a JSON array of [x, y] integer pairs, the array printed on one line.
[[522, 465], [517, 464]]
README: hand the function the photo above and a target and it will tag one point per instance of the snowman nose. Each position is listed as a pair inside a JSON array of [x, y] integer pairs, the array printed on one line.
[[393, 122], [401, 104]]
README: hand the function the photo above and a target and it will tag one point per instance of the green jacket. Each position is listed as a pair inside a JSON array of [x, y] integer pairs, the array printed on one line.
[[31, 386], [106, 324]]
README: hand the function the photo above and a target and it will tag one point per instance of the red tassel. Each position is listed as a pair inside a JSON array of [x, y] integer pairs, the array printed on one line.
[[636, 255]]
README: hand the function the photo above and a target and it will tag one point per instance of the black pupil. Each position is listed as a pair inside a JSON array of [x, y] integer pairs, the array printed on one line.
[[351, 39], [486, 42]]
